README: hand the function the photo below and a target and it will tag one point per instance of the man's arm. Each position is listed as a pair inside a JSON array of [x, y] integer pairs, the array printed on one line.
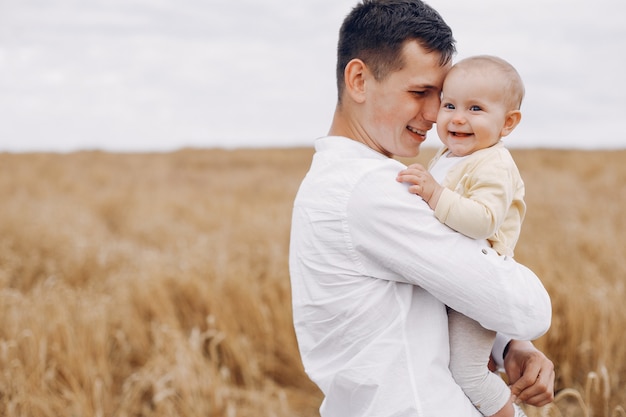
[[397, 237]]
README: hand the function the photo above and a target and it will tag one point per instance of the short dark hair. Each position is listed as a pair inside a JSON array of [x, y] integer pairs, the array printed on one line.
[[375, 31]]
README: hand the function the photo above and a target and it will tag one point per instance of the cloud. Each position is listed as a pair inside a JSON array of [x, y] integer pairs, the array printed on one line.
[[160, 74]]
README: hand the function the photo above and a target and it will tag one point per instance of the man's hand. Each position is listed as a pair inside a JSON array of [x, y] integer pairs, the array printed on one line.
[[423, 184], [530, 373]]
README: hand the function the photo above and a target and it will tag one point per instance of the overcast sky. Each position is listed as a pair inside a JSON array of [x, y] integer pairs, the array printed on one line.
[[159, 75]]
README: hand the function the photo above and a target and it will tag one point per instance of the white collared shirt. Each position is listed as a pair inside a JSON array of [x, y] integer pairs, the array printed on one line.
[[372, 271]]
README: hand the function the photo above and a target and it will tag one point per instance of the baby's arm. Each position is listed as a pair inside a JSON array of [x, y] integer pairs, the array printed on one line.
[[480, 211], [423, 184]]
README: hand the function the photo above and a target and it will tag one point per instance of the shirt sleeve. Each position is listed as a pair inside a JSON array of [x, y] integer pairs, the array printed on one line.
[[395, 236], [497, 351]]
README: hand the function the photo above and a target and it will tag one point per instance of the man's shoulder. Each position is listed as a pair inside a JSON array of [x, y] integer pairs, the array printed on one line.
[[345, 159]]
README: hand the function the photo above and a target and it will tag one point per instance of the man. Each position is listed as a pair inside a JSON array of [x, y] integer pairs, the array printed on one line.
[[372, 269]]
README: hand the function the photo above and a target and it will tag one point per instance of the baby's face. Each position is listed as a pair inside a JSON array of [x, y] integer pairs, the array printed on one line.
[[473, 111]]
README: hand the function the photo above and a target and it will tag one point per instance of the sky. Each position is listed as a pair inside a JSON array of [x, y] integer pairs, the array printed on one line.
[[160, 75]]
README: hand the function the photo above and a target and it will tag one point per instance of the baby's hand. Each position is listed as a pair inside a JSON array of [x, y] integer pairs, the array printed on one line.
[[423, 184]]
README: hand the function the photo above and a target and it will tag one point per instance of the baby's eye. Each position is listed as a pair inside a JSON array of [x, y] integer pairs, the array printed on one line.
[[448, 106], [475, 108]]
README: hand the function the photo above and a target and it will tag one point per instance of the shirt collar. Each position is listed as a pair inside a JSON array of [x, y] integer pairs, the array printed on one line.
[[341, 144]]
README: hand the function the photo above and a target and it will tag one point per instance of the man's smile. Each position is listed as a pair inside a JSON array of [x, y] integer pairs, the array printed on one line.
[[416, 131]]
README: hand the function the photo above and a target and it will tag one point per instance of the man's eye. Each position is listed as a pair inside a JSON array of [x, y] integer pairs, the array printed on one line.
[[419, 93]]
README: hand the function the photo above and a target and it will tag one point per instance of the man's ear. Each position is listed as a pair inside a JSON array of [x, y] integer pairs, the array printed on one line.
[[511, 120], [354, 76]]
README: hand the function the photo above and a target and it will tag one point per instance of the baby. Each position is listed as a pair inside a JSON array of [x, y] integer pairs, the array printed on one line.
[[474, 187]]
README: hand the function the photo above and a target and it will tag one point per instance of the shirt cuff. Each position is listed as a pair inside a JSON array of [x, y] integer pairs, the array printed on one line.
[[497, 351]]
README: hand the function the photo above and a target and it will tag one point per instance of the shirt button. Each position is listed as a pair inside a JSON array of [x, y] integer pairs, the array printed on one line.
[[484, 251]]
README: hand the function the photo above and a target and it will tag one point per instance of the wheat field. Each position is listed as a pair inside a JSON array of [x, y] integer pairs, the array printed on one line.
[[157, 284]]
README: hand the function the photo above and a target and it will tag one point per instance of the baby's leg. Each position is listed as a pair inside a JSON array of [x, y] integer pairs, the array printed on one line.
[[470, 348]]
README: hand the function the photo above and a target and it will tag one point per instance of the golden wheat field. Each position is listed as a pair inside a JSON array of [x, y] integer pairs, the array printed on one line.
[[157, 284]]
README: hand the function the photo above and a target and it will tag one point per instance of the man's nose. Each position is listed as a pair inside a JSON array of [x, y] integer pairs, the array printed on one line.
[[431, 109]]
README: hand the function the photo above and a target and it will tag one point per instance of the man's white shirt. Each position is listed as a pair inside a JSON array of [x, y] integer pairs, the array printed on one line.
[[372, 271]]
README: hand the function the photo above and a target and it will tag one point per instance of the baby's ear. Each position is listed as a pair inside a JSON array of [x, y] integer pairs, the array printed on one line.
[[511, 120]]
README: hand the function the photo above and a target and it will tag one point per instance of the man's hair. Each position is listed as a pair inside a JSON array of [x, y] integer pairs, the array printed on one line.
[[512, 84], [375, 32]]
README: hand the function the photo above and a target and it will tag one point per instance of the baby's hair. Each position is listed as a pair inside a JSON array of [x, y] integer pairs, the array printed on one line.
[[512, 82]]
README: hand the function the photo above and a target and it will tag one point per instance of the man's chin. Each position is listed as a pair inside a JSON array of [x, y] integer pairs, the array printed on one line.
[[409, 152]]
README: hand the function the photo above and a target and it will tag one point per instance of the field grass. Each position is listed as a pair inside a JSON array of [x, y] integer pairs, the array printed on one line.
[[157, 284]]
